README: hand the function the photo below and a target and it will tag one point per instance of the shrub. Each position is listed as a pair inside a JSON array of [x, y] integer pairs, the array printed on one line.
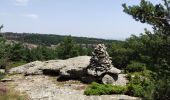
[[104, 89], [2, 75], [16, 64], [140, 85], [135, 90], [135, 67]]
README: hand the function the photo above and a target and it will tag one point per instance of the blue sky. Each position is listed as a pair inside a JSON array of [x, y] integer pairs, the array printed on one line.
[[89, 18]]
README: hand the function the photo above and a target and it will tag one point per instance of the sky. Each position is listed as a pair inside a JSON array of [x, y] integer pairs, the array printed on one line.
[[87, 18]]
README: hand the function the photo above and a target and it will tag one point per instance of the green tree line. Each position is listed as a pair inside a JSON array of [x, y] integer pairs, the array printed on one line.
[[51, 39], [17, 52]]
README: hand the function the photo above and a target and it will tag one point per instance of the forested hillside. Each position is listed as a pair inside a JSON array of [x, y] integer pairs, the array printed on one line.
[[50, 39]]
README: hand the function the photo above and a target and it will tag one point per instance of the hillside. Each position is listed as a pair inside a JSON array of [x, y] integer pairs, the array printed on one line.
[[51, 39]]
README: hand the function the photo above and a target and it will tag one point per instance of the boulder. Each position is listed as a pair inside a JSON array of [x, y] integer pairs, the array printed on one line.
[[69, 68], [75, 67], [115, 79], [2, 71], [109, 79]]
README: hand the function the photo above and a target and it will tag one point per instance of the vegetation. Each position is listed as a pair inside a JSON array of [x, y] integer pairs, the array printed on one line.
[[2, 75], [141, 85], [50, 39], [104, 89], [135, 67], [67, 49], [153, 49], [15, 64], [15, 54], [145, 58]]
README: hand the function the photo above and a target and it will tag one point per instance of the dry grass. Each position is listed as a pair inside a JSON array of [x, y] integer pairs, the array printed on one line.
[[7, 93]]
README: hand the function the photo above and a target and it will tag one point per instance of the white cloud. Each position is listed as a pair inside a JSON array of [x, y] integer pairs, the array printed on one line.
[[33, 16], [21, 2]]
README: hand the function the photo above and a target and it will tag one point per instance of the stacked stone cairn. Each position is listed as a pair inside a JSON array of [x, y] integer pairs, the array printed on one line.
[[101, 66]]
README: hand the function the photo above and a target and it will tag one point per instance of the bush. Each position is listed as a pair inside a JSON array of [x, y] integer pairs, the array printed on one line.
[[2, 75], [135, 90], [140, 85], [135, 67], [16, 64], [104, 89]]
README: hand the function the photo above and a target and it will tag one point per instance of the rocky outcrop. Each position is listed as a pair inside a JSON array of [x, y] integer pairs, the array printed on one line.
[[40, 87], [30, 68], [70, 68], [73, 68]]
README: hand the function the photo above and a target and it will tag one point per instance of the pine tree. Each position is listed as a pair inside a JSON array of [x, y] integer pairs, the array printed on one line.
[[157, 47]]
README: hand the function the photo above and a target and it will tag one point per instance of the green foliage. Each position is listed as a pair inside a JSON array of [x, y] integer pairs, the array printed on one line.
[[51, 39], [141, 85], [15, 64], [136, 67], [104, 89], [153, 49], [68, 49], [2, 75], [121, 55], [17, 52], [155, 15], [162, 89], [41, 53], [135, 90], [3, 53]]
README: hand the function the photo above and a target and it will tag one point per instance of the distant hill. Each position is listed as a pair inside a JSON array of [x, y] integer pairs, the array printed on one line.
[[51, 39]]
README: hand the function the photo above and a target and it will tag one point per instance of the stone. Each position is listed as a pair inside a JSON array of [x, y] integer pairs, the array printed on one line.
[[102, 70], [109, 79], [2, 71], [115, 79], [6, 80], [100, 62]]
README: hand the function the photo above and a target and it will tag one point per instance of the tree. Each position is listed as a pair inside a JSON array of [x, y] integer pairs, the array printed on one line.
[[2, 26], [121, 55], [154, 49], [17, 52], [156, 15], [67, 48], [3, 53]]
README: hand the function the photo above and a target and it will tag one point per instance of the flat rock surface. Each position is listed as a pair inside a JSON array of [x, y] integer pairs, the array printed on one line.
[[40, 87], [64, 66]]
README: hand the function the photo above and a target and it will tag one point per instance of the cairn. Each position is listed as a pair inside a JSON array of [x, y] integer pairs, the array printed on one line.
[[100, 62]]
